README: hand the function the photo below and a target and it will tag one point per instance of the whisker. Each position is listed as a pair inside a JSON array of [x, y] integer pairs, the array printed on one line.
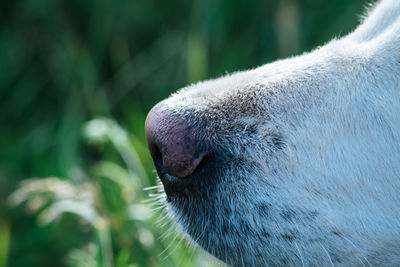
[[365, 258], [329, 256], [301, 255]]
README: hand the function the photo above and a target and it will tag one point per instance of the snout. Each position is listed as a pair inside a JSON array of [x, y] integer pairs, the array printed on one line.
[[176, 144]]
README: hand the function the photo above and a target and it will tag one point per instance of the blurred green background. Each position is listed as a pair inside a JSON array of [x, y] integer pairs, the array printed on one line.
[[77, 78]]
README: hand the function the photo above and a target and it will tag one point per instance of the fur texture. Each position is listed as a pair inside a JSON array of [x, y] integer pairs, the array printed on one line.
[[305, 169]]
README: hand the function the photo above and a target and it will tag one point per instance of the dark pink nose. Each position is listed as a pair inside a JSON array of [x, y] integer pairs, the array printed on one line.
[[174, 141]]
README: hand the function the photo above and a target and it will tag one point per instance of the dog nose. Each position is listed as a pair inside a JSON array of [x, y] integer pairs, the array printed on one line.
[[174, 141]]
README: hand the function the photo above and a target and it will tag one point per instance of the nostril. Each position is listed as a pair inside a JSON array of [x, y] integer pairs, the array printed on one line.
[[175, 146], [182, 165]]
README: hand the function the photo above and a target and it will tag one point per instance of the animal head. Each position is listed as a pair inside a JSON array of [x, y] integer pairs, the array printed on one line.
[[296, 162]]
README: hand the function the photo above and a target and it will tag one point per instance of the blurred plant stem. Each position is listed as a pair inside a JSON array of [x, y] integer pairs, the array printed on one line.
[[106, 197], [103, 238], [5, 229], [103, 129]]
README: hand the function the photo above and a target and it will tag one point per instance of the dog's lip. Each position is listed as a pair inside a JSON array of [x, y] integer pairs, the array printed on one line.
[[173, 185]]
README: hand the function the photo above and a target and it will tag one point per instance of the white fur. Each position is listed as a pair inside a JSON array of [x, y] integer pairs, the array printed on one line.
[[337, 110]]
